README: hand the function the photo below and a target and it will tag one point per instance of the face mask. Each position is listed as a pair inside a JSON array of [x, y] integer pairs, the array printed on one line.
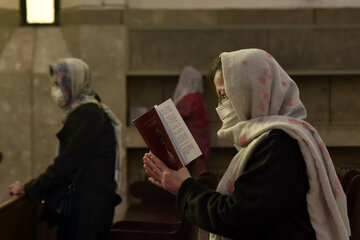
[[227, 114], [58, 96]]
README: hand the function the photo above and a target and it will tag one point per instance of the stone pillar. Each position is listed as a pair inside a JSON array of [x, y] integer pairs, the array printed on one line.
[[15, 107]]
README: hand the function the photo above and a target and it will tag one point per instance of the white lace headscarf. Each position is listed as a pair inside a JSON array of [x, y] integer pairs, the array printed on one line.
[[190, 81], [264, 97]]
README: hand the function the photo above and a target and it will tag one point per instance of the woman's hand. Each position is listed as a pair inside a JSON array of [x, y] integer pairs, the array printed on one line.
[[16, 189], [162, 176]]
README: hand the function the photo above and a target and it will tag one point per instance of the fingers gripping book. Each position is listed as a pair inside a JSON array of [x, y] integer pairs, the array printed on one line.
[[167, 136]]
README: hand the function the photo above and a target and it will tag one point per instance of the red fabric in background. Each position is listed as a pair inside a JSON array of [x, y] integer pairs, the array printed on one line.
[[193, 109]]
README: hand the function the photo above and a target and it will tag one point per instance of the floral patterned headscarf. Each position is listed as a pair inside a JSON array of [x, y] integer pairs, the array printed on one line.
[[74, 78]]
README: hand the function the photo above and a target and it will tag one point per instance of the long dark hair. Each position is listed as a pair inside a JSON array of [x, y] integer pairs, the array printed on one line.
[[215, 66]]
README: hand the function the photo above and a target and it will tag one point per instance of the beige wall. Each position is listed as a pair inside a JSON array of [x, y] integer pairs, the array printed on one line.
[[29, 119], [76, 3], [216, 4], [211, 4], [91, 3], [9, 4], [115, 2]]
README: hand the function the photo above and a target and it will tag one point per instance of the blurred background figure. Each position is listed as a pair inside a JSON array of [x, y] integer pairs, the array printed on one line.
[[190, 101]]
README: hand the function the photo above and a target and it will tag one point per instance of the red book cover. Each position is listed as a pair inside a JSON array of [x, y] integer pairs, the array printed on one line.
[[155, 136]]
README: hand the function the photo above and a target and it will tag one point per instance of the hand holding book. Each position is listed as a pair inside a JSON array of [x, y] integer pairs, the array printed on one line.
[[167, 135], [162, 176]]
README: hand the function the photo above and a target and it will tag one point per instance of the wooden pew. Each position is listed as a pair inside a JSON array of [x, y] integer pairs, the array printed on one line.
[[138, 230], [156, 216], [351, 185], [19, 220]]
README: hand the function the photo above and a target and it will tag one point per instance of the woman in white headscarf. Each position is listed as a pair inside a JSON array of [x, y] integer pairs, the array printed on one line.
[[190, 102], [281, 184], [88, 150]]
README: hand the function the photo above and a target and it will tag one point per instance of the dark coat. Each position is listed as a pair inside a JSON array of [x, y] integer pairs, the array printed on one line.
[[268, 201], [87, 141]]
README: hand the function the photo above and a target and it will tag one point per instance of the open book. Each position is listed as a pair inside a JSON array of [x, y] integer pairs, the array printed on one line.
[[167, 136]]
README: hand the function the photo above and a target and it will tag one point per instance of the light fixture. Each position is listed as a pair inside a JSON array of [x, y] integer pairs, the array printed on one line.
[[40, 11]]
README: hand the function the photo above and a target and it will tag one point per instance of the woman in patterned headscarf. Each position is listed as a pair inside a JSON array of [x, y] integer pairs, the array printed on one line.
[[88, 143], [190, 102], [281, 184]]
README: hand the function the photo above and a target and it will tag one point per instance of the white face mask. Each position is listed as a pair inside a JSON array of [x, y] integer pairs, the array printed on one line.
[[227, 115], [58, 96]]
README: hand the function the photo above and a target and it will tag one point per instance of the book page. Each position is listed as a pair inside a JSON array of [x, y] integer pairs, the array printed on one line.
[[184, 141]]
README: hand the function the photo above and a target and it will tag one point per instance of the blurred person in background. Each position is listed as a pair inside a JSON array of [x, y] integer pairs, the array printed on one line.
[[190, 101]]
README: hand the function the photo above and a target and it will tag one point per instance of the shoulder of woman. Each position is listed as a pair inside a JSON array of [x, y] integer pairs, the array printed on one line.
[[277, 149], [278, 142], [88, 108], [280, 137], [88, 111]]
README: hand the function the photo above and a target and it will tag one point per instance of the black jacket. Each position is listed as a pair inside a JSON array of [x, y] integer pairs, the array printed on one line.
[[87, 141], [268, 201]]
